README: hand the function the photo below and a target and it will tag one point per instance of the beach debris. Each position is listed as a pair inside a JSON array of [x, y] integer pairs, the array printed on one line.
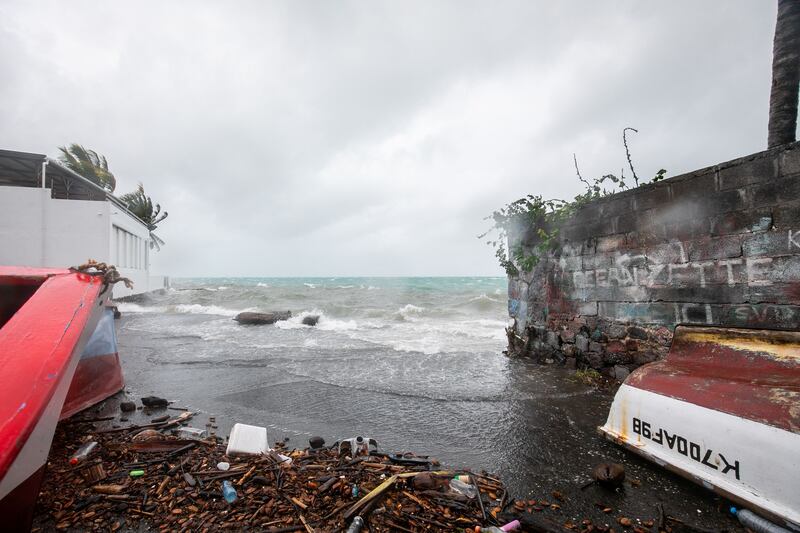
[[357, 446], [262, 318], [154, 402], [127, 407], [228, 492], [83, 452], [312, 489], [511, 526], [356, 525], [187, 432], [94, 473], [148, 435], [224, 466], [609, 474], [247, 440], [310, 320]]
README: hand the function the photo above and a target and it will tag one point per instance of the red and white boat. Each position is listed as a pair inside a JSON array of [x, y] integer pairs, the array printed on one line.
[[58, 356], [723, 410]]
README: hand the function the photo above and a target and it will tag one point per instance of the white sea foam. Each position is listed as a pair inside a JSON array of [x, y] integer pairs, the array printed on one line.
[[197, 309], [483, 298], [259, 284], [324, 324], [410, 312], [130, 307], [310, 285]]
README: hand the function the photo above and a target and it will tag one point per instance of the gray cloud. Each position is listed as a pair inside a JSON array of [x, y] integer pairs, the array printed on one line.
[[302, 138]]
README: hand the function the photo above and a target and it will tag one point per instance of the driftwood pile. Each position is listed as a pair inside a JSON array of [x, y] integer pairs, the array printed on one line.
[[180, 488]]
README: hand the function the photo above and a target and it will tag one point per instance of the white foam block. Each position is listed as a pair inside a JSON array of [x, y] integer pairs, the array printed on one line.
[[247, 440]]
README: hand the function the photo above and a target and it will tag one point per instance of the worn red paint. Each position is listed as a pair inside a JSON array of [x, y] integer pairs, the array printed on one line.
[[39, 349], [753, 374]]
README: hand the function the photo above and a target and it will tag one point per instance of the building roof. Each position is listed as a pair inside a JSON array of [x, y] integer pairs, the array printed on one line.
[[24, 169]]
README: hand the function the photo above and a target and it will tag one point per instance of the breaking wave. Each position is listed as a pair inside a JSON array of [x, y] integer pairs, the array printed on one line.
[[421, 315]]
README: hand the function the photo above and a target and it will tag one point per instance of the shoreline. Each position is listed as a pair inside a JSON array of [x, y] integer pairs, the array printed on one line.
[[555, 509]]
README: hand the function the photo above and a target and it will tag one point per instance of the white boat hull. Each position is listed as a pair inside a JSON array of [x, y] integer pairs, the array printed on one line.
[[746, 461]]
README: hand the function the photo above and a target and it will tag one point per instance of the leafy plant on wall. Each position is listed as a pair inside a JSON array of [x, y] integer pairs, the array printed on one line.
[[544, 217]]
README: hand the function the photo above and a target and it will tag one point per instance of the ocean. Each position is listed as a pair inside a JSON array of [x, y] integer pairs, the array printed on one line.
[[415, 363]]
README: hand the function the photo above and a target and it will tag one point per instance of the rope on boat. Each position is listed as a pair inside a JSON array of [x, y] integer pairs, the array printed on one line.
[[109, 273]]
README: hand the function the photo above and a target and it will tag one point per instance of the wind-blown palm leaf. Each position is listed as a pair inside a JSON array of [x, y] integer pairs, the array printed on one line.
[[141, 205], [88, 164]]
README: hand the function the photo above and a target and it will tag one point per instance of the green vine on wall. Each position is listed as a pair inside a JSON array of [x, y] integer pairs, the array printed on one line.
[[545, 217]]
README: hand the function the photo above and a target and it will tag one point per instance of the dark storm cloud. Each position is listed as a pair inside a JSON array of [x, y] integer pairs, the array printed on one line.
[[299, 138]]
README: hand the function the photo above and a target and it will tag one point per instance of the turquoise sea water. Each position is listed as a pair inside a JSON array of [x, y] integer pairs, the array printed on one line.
[[427, 315]]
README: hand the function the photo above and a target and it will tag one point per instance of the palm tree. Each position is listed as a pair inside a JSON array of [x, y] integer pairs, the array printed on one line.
[[88, 164], [785, 74], [142, 206]]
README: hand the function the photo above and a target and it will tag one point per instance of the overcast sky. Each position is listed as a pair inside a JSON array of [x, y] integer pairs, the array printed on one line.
[[330, 138]]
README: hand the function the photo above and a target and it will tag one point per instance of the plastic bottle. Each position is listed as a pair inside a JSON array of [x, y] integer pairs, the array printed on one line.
[[354, 491], [511, 526], [83, 452], [752, 521], [228, 492], [460, 487], [356, 525]]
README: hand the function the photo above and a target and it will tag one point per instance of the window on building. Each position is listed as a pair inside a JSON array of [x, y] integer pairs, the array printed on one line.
[[130, 251]]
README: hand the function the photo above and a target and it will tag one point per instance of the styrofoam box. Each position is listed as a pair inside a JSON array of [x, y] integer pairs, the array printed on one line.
[[247, 440]]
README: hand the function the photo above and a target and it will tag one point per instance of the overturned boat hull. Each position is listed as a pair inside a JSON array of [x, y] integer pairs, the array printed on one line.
[[47, 317], [722, 409], [99, 372]]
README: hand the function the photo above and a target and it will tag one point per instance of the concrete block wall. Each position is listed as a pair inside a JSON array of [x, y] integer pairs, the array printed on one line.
[[718, 246]]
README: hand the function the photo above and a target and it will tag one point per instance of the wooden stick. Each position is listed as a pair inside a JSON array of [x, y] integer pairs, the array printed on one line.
[[299, 503], [247, 475], [480, 498], [162, 486]]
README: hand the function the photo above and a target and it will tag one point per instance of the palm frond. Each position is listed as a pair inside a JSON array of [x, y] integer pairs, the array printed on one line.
[[88, 164]]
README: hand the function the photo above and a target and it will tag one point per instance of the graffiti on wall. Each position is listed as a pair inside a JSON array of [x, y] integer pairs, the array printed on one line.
[[637, 270], [794, 240]]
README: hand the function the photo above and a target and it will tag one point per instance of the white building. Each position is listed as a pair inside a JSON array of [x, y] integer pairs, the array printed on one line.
[[53, 217]]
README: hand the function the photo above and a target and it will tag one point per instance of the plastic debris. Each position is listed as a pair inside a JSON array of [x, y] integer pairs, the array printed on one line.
[[228, 492], [83, 452], [247, 440]]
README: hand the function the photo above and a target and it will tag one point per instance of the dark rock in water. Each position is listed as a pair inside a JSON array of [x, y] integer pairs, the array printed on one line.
[[117, 314], [609, 474], [262, 318], [316, 442], [162, 418], [127, 407], [154, 401], [311, 320]]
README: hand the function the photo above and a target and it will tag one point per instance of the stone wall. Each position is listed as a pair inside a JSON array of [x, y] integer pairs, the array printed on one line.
[[717, 246]]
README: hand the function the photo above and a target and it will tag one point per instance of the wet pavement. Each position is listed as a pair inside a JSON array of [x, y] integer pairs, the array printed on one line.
[[532, 425]]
